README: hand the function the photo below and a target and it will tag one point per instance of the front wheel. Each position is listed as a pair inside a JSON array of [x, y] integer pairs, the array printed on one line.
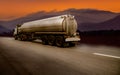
[[23, 37], [15, 37]]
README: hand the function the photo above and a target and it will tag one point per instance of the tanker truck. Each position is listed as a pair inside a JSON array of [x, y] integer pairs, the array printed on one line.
[[58, 30]]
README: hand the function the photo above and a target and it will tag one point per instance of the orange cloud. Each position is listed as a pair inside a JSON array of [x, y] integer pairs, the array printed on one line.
[[11, 9]]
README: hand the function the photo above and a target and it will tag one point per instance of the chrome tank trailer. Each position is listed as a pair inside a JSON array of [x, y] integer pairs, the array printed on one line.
[[62, 28]]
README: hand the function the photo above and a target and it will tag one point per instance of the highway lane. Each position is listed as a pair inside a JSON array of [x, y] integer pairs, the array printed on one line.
[[33, 58]]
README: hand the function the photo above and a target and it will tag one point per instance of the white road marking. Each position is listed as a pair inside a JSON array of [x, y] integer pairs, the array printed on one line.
[[107, 55]]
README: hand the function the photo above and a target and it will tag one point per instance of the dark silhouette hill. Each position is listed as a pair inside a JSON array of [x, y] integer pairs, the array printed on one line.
[[112, 24], [3, 30]]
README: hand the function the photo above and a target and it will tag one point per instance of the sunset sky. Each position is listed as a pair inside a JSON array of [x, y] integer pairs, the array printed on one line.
[[11, 9]]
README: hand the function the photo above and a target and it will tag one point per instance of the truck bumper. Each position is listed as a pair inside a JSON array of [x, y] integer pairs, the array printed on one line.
[[72, 39]]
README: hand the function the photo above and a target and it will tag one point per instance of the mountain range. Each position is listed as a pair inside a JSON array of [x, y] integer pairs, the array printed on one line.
[[3, 29], [87, 19], [112, 24]]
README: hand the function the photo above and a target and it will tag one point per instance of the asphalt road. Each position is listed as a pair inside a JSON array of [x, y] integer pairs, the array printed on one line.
[[33, 58]]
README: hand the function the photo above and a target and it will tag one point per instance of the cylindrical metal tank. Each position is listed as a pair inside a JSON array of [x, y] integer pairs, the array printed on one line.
[[63, 23]]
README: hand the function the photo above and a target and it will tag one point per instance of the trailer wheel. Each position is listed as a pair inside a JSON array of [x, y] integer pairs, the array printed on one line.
[[59, 41], [51, 40], [44, 40]]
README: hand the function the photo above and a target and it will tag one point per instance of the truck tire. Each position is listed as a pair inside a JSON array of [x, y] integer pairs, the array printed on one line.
[[23, 37], [59, 41], [44, 40], [15, 37], [51, 40], [19, 38]]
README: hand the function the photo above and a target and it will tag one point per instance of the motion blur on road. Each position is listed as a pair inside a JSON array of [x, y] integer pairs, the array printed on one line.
[[33, 58]]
